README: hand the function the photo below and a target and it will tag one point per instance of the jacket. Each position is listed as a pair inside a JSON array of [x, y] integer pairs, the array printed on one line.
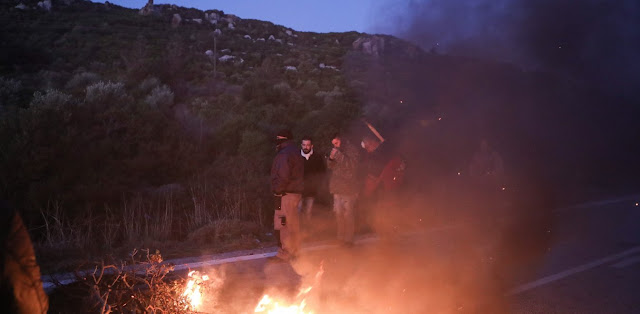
[[314, 170], [344, 179], [287, 170]]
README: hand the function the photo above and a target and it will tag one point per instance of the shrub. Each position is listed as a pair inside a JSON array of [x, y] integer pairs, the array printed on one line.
[[9, 89], [104, 94], [161, 97], [148, 84], [80, 81]]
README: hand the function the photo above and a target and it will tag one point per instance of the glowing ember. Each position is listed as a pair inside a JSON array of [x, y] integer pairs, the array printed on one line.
[[268, 305], [192, 293]]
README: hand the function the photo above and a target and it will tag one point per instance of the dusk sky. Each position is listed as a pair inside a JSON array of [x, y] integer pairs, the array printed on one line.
[[301, 15]]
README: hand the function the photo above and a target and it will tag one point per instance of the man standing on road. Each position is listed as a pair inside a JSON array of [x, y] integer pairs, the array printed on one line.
[[383, 170], [287, 185], [314, 170], [343, 185]]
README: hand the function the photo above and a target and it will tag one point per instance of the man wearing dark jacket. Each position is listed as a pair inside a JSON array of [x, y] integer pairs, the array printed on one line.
[[287, 175], [314, 170]]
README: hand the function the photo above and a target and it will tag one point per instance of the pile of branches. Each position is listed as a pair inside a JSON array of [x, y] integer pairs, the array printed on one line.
[[141, 285]]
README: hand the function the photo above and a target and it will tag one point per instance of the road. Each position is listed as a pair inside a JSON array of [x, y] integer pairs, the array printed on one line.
[[581, 259]]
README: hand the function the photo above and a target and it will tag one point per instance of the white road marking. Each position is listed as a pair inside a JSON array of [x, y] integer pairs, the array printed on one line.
[[627, 262], [598, 203], [572, 271]]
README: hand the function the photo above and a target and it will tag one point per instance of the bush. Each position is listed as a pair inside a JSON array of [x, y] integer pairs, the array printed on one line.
[[105, 94], [9, 89], [148, 84], [161, 97], [80, 81]]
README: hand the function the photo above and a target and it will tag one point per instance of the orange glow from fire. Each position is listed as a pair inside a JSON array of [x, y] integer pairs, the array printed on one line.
[[270, 305], [192, 293]]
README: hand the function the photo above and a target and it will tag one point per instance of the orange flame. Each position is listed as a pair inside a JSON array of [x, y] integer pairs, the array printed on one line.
[[270, 306], [192, 293]]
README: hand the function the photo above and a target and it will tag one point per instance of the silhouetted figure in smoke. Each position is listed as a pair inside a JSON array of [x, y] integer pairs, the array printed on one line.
[[383, 170], [20, 284], [343, 184], [287, 185]]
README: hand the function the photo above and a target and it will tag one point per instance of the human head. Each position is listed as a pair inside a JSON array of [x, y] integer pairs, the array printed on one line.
[[369, 143], [306, 144], [336, 140], [282, 136]]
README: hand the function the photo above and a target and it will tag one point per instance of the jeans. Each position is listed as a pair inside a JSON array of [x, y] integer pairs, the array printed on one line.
[[305, 206], [343, 206]]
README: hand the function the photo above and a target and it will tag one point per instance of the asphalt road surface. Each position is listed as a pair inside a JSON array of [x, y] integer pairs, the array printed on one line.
[[589, 263], [580, 259]]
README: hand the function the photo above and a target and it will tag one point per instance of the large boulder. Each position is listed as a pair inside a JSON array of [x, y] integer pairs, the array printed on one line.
[[45, 5], [373, 46], [147, 9], [175, 21]]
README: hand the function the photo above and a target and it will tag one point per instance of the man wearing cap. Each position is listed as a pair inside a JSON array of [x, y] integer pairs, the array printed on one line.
[[287, 185]]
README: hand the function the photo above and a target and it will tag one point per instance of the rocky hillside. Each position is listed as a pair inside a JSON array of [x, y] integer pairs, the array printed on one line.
[[101, 104]]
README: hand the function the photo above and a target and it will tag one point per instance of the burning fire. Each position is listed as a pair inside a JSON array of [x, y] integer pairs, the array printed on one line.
[[270, 306], [192, 293]]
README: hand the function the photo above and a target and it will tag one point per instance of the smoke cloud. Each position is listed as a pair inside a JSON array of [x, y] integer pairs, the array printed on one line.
[[594, 41]]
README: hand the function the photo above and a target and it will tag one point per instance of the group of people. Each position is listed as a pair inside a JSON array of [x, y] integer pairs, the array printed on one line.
[[297, 173]]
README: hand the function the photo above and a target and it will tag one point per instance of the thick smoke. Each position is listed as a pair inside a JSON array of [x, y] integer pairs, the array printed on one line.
[[594, 41]]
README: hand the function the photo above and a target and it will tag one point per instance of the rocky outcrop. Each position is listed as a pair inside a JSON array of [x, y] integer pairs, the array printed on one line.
[[45, 5], [373, 46], [212, 17], [230, 18], [147, 9], [175, 21], [226, 58]]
